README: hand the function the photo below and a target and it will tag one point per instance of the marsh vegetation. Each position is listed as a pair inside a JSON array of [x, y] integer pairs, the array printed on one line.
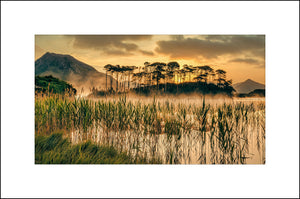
[[160, 129]]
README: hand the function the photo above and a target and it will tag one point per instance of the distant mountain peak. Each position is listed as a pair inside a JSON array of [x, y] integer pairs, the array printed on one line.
[[247, 86], [61, 63], [250, 81]]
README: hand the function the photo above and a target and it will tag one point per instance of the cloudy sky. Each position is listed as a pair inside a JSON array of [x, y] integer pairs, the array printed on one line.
[[242, 56]]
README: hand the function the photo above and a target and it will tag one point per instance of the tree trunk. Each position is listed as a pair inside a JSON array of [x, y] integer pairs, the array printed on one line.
[[128, 82], [106, 81], [117, 83], [165, 85], [111, 80], [177, 83]]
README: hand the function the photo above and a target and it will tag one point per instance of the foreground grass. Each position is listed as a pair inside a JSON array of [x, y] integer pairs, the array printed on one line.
[[55, 149]]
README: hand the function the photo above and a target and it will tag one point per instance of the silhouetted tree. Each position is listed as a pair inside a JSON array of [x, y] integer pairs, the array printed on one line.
[[139, 76], [182, 75], [221, 77], [199, 78], [109, 68], [207, 70], [171, 68], [157, 72], [148, 69], [116, 70], [122, 71], [189, 70], [130, 69]]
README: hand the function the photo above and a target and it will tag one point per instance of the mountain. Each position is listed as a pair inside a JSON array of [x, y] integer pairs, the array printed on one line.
[[71, 70], [247, 86]]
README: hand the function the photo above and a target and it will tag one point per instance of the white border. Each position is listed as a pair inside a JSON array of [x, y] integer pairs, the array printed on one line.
[[21, 20]]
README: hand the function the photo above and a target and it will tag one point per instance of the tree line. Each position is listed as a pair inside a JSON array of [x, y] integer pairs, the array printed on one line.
[[159, 75]]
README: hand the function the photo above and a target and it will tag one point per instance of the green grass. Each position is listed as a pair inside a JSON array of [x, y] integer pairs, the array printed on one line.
[[55, 149]]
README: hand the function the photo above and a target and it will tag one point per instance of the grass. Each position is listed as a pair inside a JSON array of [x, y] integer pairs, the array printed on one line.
[[54, 149], [156, 131]]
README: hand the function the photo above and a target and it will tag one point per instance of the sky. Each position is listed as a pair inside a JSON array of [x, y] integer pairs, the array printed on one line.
[[241, 56]]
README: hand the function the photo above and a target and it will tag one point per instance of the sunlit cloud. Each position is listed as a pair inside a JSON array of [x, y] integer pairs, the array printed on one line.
[[147, 53], [247, 61], [113, 52], [212, 47], [109, 43]]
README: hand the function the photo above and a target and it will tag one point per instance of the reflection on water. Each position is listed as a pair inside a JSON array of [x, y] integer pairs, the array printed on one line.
[[230, 138], [190, 149]]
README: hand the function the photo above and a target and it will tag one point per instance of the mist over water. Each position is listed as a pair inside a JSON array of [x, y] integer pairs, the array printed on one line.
[[189, 99]]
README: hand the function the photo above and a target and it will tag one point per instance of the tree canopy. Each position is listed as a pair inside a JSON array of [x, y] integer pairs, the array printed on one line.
[[163, 77]]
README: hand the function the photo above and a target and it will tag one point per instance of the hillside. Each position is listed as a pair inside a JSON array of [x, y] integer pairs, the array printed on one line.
[[247, 86], [52, 85], [71, 70]]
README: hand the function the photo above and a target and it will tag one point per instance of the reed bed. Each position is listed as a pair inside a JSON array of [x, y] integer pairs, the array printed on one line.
[[168, 131]]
